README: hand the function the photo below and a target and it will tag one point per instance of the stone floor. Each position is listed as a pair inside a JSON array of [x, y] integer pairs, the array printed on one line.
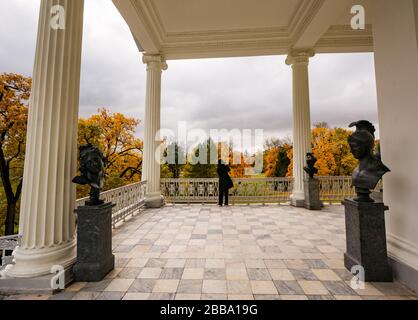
[[242, 252]]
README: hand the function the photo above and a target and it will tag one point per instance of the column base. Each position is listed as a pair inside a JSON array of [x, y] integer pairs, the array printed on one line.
[[32, 263], [297, 199], [154, 201], [35, 285]]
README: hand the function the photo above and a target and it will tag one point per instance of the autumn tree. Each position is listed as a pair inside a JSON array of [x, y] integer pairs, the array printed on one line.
[[324, 146], [114, 134], [344, 159], [237, 167], [276, 160], [233, 158], [14, 97], [330, 146]]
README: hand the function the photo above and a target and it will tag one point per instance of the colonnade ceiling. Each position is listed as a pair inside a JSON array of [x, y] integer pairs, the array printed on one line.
[[184, 29]]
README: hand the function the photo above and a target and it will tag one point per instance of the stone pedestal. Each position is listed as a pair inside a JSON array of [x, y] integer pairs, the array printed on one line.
[[366, 240], [312, 200], [94, 243]]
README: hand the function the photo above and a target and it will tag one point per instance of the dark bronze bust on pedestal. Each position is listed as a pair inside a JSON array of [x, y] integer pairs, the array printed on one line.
[[310, 168], [370, 169], [94, 221], [312, 185], [92, 172], [364, 218]]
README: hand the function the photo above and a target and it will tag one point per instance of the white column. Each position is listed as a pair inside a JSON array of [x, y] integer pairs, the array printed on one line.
[[301, 121], [396, 61], [151, 167], [47, 212]]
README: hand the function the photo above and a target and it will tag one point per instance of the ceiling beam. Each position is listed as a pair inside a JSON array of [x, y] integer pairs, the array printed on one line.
[[314, 18]]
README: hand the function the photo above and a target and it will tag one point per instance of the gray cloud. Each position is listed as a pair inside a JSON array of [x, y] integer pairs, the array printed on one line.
[[18, 29], [243, 93]]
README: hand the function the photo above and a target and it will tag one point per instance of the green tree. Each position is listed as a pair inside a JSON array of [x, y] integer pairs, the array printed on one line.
[[175, 161], [283, 162], [202, 162]]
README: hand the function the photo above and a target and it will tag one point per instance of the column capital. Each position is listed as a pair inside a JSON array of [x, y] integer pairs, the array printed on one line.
[[296, 57], [155, 61]]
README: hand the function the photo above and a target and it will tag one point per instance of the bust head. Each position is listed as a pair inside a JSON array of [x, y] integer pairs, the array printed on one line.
[[310, 168], [370, 169], [361, 144], [91, 160], [310, 158], [92, 172]]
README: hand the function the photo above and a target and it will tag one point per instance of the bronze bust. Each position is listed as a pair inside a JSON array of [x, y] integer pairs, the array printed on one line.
[[370, 169], [310, 168], [92, 172]]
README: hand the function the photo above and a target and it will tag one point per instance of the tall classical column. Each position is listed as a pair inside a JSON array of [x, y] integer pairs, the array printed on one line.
[[299, 60], [396, 61], [47, 221], [151, 167]]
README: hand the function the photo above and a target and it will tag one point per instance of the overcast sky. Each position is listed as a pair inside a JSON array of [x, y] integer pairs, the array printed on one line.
[[244, 93]]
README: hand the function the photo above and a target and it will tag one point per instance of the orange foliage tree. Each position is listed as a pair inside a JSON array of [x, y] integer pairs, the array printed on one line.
[[330, 147], [14, 97], [114, 134], [276, 157]]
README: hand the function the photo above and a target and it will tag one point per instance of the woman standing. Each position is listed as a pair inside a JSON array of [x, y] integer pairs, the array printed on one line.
[[225, 182]]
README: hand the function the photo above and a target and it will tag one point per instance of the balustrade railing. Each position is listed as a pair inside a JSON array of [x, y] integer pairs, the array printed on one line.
[[263, 190], [127, 200], [247, 191], [8, 243], [335, 189]]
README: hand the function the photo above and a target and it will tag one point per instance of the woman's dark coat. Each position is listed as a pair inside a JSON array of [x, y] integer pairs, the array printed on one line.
[[225, 181]]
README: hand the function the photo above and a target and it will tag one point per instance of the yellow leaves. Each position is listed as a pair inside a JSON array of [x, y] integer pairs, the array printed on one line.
[[323, 149], [237, 167], [290, 157], [114, 134], [15, 88], [276, 158], [14, 96], [271, 159], [331, 148], [15, 92]]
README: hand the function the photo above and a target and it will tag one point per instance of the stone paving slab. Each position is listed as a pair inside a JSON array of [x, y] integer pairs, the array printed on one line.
[[204, 252]]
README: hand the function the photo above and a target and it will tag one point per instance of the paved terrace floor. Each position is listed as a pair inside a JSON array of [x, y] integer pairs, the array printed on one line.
[[240, 252]]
